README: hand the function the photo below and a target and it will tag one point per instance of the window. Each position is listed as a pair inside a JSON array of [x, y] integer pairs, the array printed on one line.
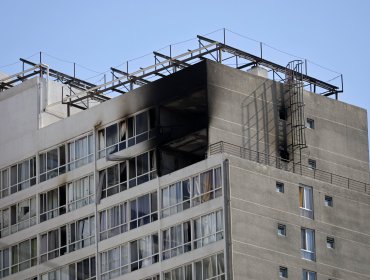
[[312, 164], [143, 210], [310, 123], [308, 250], [113, 179], [210, 268], [126, 133], [156, 277], [53, 203], [306, 201], [18, 257], [141, 169], [208, 229], [176, 198], [204, 188], [81, 233], [330, 242], [73, 154], [279, 187], [82, 270], [129, 257], [114, 221], [138, 169], [283, 272], [53, 244], [308, 275], [128, 215], [182, 272], [18, 177], [282, 113], [80, 151], [64, 199], [18, 216], [281, 230], [328, 201], [52, 163], [80, 192], [68, 238], [192, 191], [4, 262], [176, 240], [144, 252]]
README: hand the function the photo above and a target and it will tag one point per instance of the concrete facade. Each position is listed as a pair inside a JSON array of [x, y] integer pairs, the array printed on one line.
[[197, 107]]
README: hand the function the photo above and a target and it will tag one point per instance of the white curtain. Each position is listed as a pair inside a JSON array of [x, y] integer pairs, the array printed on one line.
[[146, 251], [196, 190], [209, 223], [308, 198], [122, 131], [165, 201]]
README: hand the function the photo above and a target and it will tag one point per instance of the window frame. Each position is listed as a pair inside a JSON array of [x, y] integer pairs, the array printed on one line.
[[280, 187], [305, 252], [328, 201], [310, 123], [123, 139], [283, 272], [306, 201], [281, 230], [10, 184], [330, 242], [180, 202], [18, 225]]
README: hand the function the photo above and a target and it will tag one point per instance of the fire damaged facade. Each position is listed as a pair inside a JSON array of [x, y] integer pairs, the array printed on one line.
[[209, 172]]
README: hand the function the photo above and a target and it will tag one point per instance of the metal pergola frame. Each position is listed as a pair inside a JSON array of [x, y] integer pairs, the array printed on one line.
[[123, 81]]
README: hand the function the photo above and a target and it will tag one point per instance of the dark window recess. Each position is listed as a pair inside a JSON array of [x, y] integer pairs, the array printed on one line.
[[328, 201], [310, 123], [280, 187], [281, 230], [312, 164], [330, 242], [283, 272], [282, 114]]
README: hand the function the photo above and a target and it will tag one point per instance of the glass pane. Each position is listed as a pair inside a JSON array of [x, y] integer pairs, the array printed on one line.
[[141, 123]]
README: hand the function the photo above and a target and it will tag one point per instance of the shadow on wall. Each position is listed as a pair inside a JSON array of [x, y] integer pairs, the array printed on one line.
[[261, 129]]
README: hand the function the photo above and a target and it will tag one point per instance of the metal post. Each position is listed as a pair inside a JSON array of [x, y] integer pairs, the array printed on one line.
[[40, 65], [261, 49], [224, 36], [74, 70]]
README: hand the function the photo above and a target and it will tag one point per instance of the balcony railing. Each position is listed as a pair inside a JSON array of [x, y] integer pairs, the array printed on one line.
[[321, 175]]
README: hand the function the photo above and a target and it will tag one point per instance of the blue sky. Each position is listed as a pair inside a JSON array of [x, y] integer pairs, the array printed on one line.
[[100, 34]]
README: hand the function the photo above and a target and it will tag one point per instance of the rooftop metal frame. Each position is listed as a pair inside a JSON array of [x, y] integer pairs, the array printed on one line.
[[123, 81]]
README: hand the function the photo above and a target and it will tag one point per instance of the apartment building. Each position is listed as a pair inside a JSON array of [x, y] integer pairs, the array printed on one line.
[[209, 172]]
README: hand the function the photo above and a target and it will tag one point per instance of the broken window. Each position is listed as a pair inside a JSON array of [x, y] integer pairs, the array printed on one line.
[[18, 217], [126, 133]]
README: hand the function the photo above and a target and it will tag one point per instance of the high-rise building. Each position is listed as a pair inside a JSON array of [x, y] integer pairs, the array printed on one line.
[[194, 170]]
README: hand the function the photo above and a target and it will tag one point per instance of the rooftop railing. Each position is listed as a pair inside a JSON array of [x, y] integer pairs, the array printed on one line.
[[277, 162]]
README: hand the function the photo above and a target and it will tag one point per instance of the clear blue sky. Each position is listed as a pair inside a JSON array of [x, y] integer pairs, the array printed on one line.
[[100, 34]]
